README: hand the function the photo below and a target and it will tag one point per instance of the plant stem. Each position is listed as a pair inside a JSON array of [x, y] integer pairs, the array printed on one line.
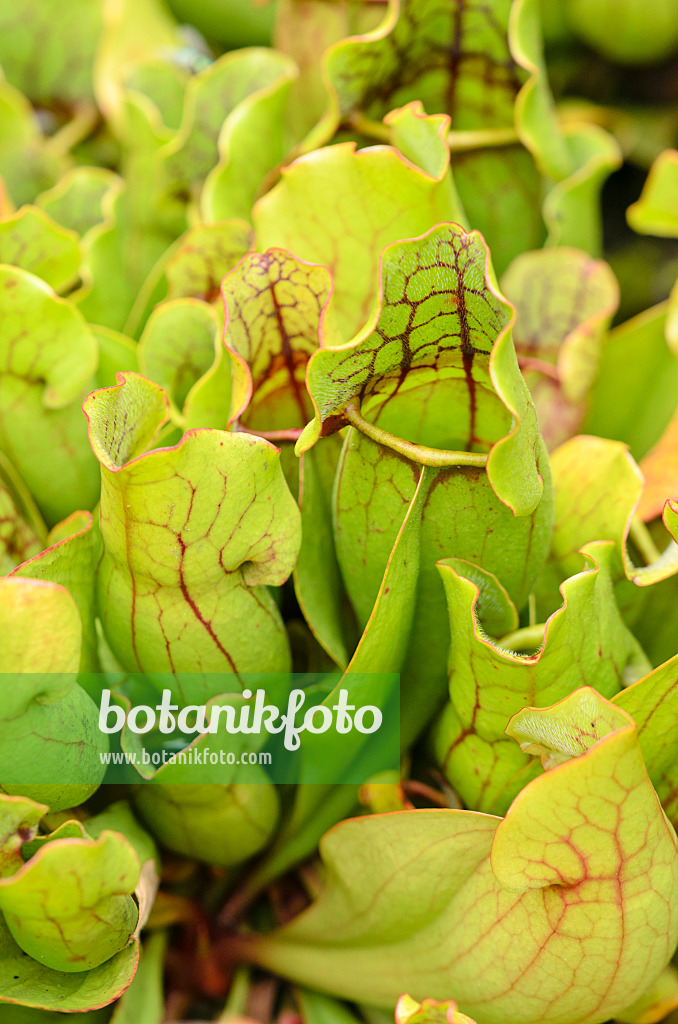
[[532, 609], [490, 138], [372, 129], [436, 457], [459, 142], [640, 535]]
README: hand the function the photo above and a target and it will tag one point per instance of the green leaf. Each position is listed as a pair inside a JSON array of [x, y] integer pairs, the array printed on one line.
[[277, 315], [27, 164], [118, 817], [317, 577], [117, 353], [382, 648], [652, 702], [144, 1002], [534, 112], [457, 62], [223, 825], [435, 366], [672, 319], [136, 31], [656, 212], [47, 50], [562, 325], [253, 141], [203, 256], [655, 1004], [318, 1009], [305, 33], [559, 330], [421, 138], [15, 1014], [163, 81], [32, 240], [33, 612], [448, 347], [73, 829], [69, 906], [420, 336], [49, 724], [339, 207], [597, 486], [651, 613], [384, 640], [502, 915], [18, 539], [572, 206], [230, 22], [574, 647], [510, 224], [139, 225], [181, 349], [192, 267], [278, 312], [482, 65], [76, 201], [70, 560], [42, 382], [446, 354], [179, 584], [25, 981], [409, 1011], [373, 490], [211, 96], [119, 254], [636, 361], [384, 899], [19, 819], [642, 35], [659, 472]]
